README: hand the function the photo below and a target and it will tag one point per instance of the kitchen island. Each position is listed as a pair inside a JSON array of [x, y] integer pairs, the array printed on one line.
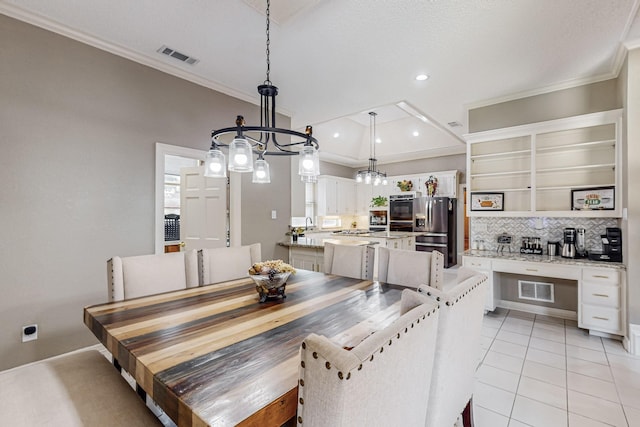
[[307, 253]]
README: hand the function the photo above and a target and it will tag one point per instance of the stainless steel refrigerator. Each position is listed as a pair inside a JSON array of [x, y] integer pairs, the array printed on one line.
[[435, 218]]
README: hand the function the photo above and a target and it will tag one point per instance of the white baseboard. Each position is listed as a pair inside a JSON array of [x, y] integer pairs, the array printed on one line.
[[632, 342], [538, 309]]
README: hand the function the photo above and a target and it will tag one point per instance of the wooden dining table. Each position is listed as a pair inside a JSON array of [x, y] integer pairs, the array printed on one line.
[[215, 356]]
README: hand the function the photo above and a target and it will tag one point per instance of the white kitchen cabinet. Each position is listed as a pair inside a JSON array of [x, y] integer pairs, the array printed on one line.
[[335, 196], [537, 166], [447, 183], [307, 258], [601, 297], [483, 265]]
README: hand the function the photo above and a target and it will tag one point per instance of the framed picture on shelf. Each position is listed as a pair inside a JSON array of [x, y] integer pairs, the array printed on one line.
[[485, 201], [593, 199]]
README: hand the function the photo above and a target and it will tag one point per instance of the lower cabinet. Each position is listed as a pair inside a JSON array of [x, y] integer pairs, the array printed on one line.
[[601, 290], [307, 258], [483, 265], [601, 301]]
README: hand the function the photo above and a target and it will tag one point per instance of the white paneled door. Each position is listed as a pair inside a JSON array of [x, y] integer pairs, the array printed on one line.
[[203, 209]]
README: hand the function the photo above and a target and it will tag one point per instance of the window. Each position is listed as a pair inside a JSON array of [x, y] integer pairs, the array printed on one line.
[[171, 194]]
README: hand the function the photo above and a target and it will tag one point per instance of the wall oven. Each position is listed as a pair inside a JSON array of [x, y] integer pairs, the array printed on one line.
[[401, 211]]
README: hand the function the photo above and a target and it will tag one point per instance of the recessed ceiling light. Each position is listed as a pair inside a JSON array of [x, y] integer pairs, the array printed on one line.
[[378, 141], [421, 77], [335, 135], [416, 133]]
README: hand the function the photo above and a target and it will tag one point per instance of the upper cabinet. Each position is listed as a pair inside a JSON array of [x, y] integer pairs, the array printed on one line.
[[336, 196], [536, 167]]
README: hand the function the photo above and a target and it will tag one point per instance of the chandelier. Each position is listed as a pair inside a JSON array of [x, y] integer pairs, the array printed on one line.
[[262, 140], [372, 175]]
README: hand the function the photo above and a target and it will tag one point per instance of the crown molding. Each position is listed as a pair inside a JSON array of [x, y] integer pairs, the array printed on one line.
[[155, 63]]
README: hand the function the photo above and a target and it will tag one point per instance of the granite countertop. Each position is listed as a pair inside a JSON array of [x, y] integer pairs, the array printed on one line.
[[318, 243], [517, 256]]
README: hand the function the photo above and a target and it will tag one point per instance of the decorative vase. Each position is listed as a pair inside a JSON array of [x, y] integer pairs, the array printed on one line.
[[270, 286]]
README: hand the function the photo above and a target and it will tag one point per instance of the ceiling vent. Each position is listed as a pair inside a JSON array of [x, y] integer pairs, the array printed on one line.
[[455, 124], [178, 55]]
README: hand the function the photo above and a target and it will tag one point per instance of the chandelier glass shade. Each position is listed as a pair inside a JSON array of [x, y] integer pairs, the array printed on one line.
[[372, 175], [262, 141]]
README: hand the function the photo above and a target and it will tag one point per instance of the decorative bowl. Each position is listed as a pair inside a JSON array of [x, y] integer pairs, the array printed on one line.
[[270, 285]]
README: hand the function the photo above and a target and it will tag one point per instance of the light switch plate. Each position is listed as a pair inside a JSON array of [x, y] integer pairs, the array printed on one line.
[[274, 214]]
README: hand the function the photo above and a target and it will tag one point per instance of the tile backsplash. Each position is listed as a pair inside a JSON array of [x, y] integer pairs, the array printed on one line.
[[548, 229]]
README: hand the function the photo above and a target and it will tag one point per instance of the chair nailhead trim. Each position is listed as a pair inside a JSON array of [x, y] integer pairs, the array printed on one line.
[[340, 375], [300, 420], [381, 349], [301, 382], [304, 345], [348, 375], [301, 400], [315, 355], [390, 341], [360, 367], [302, 363], [327, 365]]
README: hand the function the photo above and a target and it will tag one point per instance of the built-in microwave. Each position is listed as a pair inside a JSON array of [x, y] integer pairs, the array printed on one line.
[[378, 219]]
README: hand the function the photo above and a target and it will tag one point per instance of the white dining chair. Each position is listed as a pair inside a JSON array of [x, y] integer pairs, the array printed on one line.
[[136, 276], [383, 381], [349, 260], [410, 268], [221, 264], [457, 348]]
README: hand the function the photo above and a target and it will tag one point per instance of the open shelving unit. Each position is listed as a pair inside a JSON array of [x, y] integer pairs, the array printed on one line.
[[537, 166]]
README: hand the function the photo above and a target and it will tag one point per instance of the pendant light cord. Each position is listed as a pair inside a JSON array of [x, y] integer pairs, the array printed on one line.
[[268, 81]]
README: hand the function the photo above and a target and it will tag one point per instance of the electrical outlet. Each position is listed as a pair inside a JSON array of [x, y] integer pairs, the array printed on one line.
[[274, 214], [29, 333]]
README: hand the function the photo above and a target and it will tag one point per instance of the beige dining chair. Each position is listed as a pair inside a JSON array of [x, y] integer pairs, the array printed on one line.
[[457, 348], [349, 260], [137, 276], [221, 264], [410, 268], [383, 381]]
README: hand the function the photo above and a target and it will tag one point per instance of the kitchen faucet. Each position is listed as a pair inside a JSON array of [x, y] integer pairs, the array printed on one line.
[[306, 226]]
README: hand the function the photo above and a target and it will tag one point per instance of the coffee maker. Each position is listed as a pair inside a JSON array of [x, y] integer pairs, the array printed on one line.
[[569, 245], [611, 246]]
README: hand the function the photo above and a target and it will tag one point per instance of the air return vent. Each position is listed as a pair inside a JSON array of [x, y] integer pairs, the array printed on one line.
[[455, 124], [535, 291], [178, 55]]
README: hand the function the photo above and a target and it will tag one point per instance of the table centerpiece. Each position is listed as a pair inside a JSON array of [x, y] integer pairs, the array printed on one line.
[[270, 278]]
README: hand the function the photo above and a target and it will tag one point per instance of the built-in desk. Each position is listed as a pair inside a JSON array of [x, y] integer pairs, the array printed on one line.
[[601, 287]]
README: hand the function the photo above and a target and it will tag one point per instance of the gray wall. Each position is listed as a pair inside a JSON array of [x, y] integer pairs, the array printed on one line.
[[435, 164], [601, 96], [78, 128]]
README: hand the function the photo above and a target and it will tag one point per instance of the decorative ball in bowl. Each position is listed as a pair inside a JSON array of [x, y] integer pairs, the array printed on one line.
[[270, 278]]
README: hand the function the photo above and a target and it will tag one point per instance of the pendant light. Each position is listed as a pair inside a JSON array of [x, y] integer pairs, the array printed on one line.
[[372, 175], [262, 140]]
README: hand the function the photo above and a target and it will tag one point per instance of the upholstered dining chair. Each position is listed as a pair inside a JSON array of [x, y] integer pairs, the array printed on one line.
[[383, 381], [410, 268], [221, 264], [457, 348], [136, 276], [349, 260]]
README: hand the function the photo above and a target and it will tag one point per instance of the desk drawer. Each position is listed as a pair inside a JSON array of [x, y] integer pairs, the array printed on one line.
[[600, 294], [601, 275], [477, 263], [600, 318], [537, 269]]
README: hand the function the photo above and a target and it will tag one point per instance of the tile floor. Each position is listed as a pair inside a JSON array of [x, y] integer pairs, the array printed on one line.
[[543, 371]]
